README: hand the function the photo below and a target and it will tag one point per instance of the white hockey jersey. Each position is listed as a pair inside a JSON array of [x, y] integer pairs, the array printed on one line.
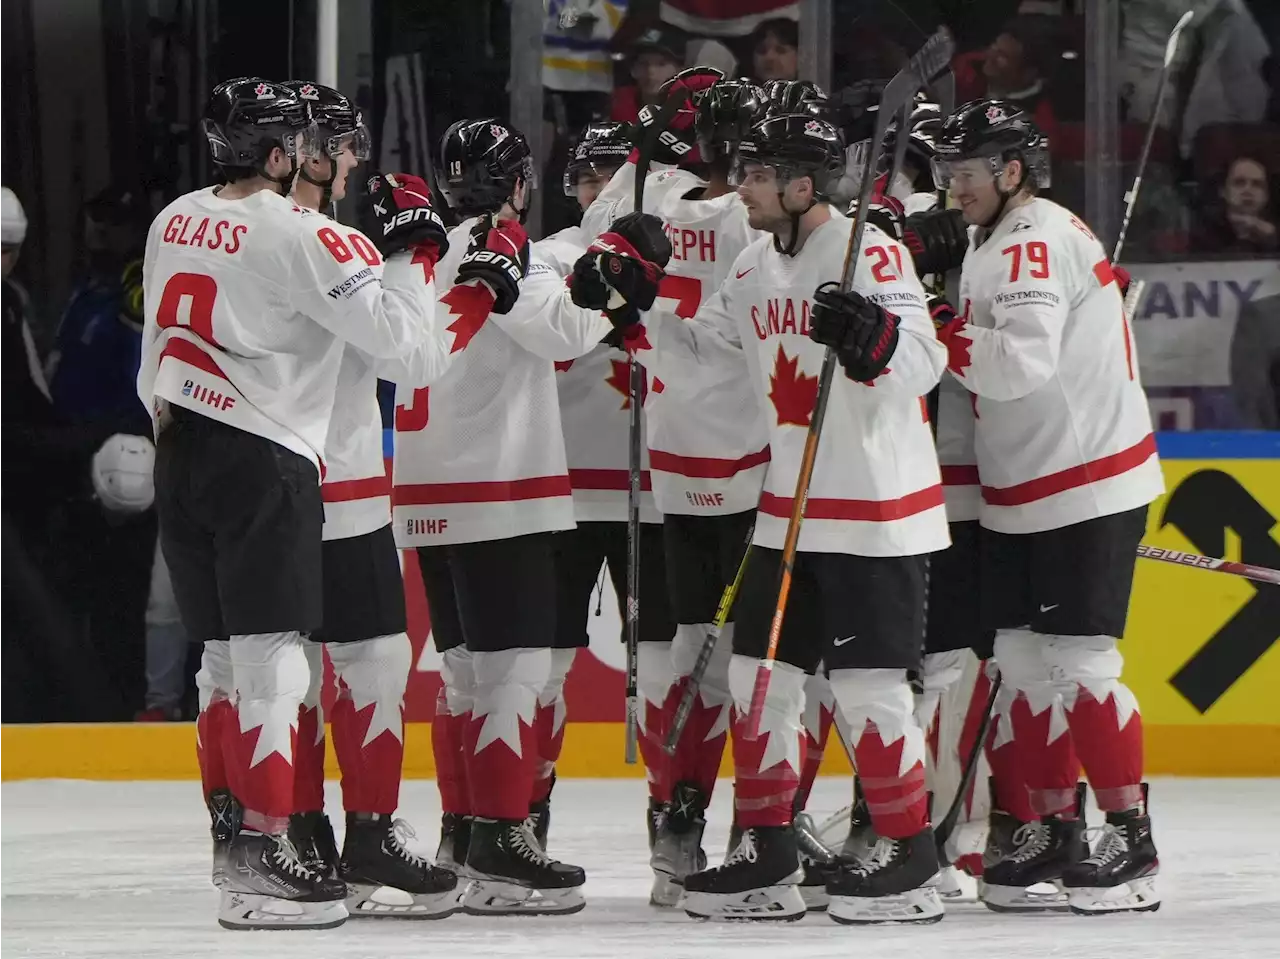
[[1063, 433], [480, 454], [876, 488], [708, 447], [248, 303]]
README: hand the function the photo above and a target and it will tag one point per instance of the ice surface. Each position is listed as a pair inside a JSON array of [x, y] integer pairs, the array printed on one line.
[[121, 869]]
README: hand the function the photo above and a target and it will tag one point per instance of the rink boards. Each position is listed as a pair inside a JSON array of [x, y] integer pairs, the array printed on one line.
[[1202, 650]]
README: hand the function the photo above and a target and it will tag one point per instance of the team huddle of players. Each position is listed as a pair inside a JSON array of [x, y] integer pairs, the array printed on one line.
[[981, 484]]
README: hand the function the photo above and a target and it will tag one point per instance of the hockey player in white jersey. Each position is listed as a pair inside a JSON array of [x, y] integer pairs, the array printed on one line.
[[364, 611], [708, 451], [875, 508], [250, 304], [1068, 465], [480, 484]]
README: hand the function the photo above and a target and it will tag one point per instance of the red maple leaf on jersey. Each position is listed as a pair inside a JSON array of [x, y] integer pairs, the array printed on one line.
[[563, 366], [620, 380], [793, 394], [958, 347], [636, 339], [471, 305], [427, 257]]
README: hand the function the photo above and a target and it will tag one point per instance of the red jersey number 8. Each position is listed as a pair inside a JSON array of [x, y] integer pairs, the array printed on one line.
[[199, 290]]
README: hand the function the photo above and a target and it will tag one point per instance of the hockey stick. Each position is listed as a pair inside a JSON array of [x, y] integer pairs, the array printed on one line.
[[931, 59], [1259, 574], [634, 461], [690, 694], [942, 832], [1131, 198]]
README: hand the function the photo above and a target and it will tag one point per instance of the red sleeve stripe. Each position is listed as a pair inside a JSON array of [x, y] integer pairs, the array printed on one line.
[[345, 491], [606, 480], [490, 491], [865, 510], [705, 467], [1044, 486]]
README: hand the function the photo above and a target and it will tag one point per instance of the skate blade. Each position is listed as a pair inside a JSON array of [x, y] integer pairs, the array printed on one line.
[[921, 906], [666, 891], [815, 898], [246, 910], [954, 886], [1019, 899], [366, 901], [1137, 895], [771, 904], [489, 897]]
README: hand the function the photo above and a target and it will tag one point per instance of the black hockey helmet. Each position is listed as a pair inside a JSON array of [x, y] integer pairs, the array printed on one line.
[[601, 148], [923, 127], [996, 131], [336, 119], [246, 118], [796, 96], [794, 145], [482, 160], [725, 114]]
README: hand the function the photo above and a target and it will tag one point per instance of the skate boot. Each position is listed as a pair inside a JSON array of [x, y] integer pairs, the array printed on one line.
[[540, 816], [818, 861], [455, 836], [385, 880], [862, 838], [893, 884], [677, 847], [665, 892], [514, 877], [268, 887], [759, 880], [224, 814], [1119, 875], [312, 835], [1034, 852]]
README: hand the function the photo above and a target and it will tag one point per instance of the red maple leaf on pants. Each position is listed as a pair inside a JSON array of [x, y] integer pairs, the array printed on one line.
[[793, 394], [471, 305]]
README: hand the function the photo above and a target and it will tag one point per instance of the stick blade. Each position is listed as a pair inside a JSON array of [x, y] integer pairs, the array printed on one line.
[[1171, 47]]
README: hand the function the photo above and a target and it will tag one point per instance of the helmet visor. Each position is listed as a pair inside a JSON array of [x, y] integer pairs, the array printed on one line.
[[967, 174], [357, 141], [305, 144]]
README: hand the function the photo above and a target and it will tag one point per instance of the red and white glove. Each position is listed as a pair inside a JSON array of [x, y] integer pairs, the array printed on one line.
[[498, 257], [678, 143], [396, 215]]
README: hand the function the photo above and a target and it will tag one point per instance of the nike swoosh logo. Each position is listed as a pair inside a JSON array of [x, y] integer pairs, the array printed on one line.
[[744, 272], [1045, 609], [841, 642]]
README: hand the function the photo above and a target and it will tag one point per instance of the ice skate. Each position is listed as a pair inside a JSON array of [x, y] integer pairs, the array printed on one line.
[[1119, 875], [861, 841], [312, 835], [540, 816], [893, 884], [677, 846], [224, 814], [455, 837], [818, 862], [1026, 861], [665, 892], [760, 880], [268, 887], [514, 877], [385, 880]]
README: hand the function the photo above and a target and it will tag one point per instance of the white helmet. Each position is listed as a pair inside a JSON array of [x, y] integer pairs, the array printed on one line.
[[13, 219], [122, 473]]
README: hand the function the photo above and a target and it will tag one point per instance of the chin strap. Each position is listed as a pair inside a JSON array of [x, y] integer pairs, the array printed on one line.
[[326, 186], [283, 183], [790, 248]]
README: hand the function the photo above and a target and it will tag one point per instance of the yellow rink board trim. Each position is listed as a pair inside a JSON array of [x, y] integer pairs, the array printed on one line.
[[124, 751]]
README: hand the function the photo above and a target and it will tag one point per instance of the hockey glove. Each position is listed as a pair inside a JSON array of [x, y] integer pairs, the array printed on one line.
[[396, 214], [885, 211], [943, 314], [498, 258], [678, 143], [645, 233], [1123, 279], [863, 334], [938, 240]]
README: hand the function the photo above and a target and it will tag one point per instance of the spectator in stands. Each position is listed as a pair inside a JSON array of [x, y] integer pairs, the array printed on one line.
[[1255, 360], [1241, 218], [657, 56], [1017, 64], [773, 50]]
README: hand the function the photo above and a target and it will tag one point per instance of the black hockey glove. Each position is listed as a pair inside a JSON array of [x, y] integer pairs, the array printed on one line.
[[885, 211], [863, 334], [613, 277], [498, 257], [679, 141], [645, 233], [938, 240], [942, 313], [396, 214]]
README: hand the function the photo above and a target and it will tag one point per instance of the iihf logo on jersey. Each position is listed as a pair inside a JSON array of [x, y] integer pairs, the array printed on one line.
[[308, 92], [996, 114], [263, 91], [187, 387]]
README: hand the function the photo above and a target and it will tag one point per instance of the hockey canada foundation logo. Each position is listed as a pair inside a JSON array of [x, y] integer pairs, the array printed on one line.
[[263, 91]]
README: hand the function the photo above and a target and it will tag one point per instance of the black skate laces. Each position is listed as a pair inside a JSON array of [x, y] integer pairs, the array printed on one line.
[[396, 842], [1031, 839], [285, 855]]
